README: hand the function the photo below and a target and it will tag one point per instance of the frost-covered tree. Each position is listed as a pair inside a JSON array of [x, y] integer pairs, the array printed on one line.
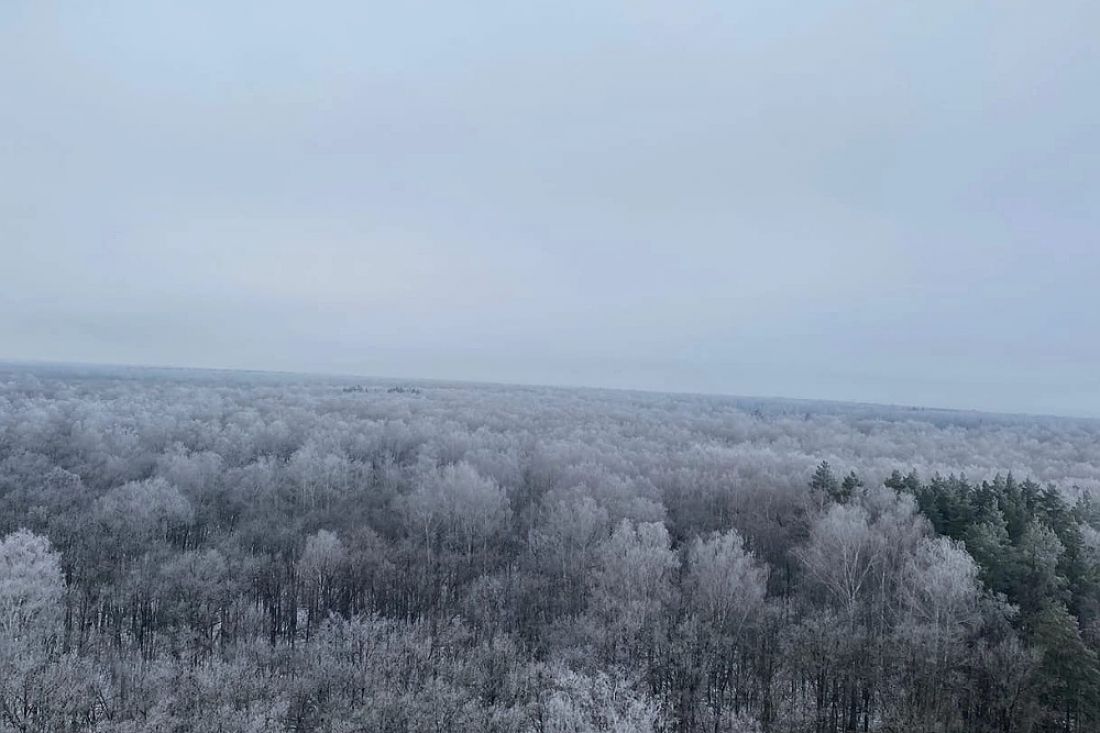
[[277, 553], [31, 590], [632, 586], [31, 586]]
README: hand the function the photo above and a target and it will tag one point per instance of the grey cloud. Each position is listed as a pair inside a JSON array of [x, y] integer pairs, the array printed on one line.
[[860, 201]]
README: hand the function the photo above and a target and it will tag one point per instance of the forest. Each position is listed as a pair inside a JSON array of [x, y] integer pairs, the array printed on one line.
[[202, 551]]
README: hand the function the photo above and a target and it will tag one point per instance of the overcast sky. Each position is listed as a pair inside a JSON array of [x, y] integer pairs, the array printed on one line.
[[882, 201]]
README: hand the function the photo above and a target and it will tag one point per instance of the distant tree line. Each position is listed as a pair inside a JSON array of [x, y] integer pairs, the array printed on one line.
[[217, 556]]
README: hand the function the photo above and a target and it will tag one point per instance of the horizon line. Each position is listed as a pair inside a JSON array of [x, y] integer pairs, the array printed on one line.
[[31, 362]]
